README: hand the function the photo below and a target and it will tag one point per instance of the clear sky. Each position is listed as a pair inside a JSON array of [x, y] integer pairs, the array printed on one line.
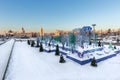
[[58, 14]]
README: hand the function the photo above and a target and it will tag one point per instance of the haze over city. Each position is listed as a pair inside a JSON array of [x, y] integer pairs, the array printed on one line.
[[58, 14]]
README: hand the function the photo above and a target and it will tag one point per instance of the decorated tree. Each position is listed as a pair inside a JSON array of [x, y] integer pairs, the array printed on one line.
[[57, 38], [72, 40], [57, 50], [41, 47], [93, 62], [62, 60], [63, 40]]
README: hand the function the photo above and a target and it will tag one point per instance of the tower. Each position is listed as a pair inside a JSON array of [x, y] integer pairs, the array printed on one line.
[[23, 30], [41, 33]]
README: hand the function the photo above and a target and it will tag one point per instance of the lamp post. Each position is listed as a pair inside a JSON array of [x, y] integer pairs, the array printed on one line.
[[94, 33]]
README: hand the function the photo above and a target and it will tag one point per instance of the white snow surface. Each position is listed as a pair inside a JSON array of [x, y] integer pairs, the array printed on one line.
[[1, 42], [4, 56], [27, 63]]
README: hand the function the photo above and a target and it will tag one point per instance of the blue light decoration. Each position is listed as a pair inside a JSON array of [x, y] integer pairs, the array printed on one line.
[[84, 37], [87, 28]]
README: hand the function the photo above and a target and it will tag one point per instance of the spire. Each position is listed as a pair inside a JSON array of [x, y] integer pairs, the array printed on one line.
[[23, 31], [41, 31]]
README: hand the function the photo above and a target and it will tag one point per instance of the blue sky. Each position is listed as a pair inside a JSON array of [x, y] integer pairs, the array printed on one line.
[[58, 14]]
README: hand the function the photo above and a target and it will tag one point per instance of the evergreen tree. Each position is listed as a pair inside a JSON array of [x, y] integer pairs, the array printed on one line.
[[114, 47], [28, 41], [57, 38], [93, 62], [99, 44], [49, 47], [57, 50], [72, 38], [62, 60], [33, 43], [41, 47], [90, 43], [111, 46], [118, 40]]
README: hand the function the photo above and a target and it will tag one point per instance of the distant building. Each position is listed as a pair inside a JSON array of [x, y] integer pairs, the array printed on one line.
[[10, 33], [59, 32], [20, 35]]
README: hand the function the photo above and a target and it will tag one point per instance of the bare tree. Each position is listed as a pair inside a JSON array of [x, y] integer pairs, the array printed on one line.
[[63, 40]]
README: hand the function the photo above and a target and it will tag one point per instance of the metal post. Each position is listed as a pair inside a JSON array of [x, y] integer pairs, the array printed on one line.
[[94, 33]]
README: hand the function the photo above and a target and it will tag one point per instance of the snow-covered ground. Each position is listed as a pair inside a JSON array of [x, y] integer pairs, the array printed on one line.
[[4, 56], [1, 42], [27, 63]]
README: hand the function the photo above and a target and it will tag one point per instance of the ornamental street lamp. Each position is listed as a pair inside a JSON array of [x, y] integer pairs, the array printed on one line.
[[94, 38]]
